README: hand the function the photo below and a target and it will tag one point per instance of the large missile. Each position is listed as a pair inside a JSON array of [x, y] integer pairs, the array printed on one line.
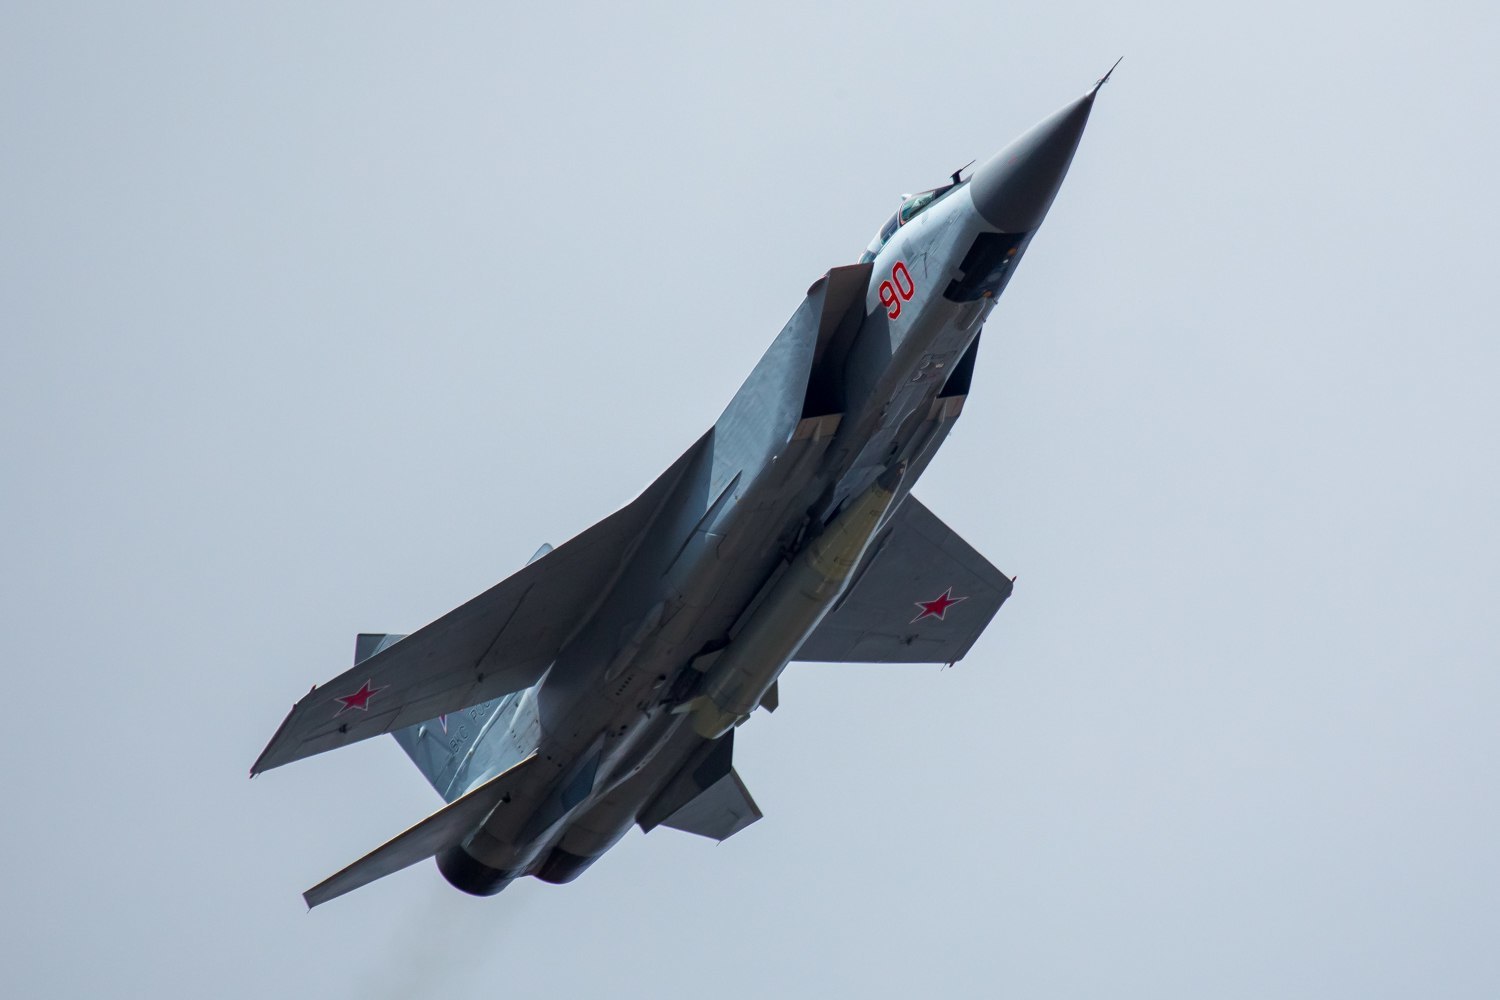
[[798, 600]]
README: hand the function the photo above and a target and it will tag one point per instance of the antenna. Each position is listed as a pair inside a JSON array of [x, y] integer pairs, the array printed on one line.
[[1105, 78]]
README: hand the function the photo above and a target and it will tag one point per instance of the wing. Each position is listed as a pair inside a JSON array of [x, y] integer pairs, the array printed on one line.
[[499, 642], [921, 595]]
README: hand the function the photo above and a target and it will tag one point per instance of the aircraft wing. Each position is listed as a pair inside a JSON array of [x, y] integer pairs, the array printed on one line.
[[921, 595], [499, 642]]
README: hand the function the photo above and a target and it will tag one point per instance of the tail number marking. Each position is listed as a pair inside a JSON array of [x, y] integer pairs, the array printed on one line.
[[897, 289]]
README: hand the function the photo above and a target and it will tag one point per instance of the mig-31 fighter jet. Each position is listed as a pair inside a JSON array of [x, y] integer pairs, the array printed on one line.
[[601, 686]]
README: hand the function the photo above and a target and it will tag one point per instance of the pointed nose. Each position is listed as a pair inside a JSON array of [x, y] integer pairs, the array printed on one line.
[[1015, 187]]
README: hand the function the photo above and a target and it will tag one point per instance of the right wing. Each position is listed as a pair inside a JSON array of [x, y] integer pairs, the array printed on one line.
[[499, 642]]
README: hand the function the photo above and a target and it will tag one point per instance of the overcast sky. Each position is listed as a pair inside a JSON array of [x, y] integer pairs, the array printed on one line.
[[318, 319]]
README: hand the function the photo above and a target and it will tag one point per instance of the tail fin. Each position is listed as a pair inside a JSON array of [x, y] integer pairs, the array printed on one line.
[[436, 752]]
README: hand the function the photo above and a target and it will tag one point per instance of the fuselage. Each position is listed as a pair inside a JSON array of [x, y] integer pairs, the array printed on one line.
[[709, 610]]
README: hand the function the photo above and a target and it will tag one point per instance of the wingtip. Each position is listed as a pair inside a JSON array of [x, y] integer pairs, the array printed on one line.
[[264, 761], [260, 766]]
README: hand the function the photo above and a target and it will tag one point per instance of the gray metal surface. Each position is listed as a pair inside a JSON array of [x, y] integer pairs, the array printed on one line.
[[496, 643], [427, 838], [719, 812], [601, 685], [1014, 188], [917, 560]]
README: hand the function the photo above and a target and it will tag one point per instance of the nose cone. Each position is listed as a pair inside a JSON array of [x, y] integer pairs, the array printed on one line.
[[1015, 187]]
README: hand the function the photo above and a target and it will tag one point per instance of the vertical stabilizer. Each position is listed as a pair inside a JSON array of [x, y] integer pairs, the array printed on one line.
[[434, 746]]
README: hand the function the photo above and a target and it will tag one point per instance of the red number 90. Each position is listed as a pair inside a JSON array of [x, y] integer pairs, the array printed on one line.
[[900, 288]]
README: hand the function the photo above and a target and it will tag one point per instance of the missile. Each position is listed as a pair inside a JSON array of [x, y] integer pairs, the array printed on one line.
[[798, 600]]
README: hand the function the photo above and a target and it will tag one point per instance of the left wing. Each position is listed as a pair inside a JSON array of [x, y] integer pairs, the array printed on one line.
[[921, 595], [499, 642]]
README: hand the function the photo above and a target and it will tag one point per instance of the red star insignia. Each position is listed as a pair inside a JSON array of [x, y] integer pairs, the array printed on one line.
[[359, 699], [938, 606]]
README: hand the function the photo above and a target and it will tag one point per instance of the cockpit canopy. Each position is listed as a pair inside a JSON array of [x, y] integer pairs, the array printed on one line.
[[912, 205]]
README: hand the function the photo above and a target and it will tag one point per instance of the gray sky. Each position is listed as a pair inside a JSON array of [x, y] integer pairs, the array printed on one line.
[[319, 320]]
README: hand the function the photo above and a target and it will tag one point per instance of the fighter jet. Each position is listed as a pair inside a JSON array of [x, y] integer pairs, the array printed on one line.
[[601, 686]]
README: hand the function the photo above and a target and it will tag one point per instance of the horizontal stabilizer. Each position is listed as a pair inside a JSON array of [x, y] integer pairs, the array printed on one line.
[[448, 826], [921, 595], [499, 642]]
